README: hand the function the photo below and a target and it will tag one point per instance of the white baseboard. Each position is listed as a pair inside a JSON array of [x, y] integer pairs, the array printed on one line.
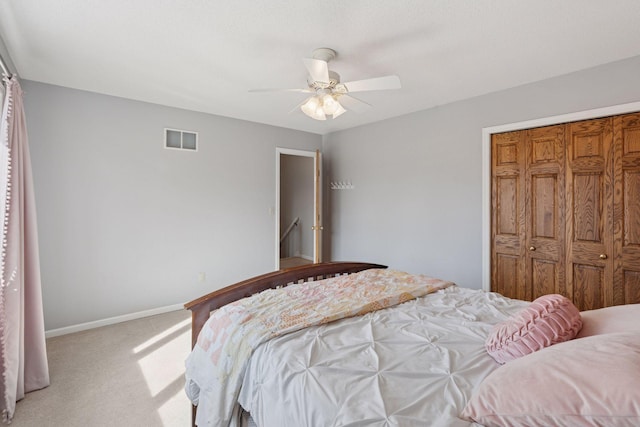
[[307, 257], [111, 320]]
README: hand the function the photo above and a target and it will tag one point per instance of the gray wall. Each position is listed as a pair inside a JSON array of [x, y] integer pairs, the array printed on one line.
[[296, 200], [126, 225], [417, 203]]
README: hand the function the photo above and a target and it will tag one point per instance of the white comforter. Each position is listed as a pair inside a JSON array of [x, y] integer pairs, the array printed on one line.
[[411, 365]]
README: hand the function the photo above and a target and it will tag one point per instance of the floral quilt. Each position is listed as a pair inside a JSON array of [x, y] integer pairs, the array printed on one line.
[[215, 368]]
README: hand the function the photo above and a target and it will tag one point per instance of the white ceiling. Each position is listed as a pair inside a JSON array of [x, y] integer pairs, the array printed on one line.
[[205, 55]]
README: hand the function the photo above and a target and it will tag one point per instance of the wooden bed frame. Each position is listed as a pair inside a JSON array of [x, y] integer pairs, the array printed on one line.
[[202, 307]]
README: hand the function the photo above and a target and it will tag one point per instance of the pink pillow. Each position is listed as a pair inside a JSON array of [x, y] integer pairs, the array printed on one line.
[[549, 320], [620, 318], [591, 381]]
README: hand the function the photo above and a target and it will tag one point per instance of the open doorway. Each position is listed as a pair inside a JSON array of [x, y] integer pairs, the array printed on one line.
[[297, 206]]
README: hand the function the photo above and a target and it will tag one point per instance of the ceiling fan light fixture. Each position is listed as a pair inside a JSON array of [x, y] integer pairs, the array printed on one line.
[[319, 114], [310, 106], [313, 108], [330, 95], [329, 104], [339, 110], [320, 106]]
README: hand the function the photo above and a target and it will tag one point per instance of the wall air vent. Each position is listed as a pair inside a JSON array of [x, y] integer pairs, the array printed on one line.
[[176, 139]]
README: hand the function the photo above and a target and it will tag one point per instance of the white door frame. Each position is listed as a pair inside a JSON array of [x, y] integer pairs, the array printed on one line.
[[486, 165], [316, 199]]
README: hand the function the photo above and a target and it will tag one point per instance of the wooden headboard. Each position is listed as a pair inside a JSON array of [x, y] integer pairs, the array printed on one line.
[[202, 307]]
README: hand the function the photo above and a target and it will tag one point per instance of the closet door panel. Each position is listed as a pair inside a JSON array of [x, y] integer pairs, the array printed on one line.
[[589, 225], [506, 278], [507, 204], [544, 278], [566, 211], [631, 207], [587, 207], [632, 287], [545, 211], [626, 285], [544, 194], [588, 286], [507, 224]]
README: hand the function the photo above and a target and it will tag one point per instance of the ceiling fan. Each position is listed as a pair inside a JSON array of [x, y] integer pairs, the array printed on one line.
[[330, 96]]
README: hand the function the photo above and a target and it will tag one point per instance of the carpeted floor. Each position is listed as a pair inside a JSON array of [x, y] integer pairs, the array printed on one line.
[[129, 374]]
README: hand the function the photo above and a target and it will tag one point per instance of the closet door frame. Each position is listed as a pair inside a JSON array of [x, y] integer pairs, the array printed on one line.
[[486, 165]]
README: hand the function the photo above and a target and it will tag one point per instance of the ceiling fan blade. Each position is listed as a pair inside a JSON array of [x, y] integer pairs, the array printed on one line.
[[376, 83], [318, 69], [353, 104], [282, 90]]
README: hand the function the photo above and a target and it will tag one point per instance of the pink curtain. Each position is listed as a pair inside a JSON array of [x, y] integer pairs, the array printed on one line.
[[23, 355]]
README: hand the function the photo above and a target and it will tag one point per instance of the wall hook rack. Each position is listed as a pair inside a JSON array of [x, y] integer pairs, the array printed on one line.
[[341, 185]]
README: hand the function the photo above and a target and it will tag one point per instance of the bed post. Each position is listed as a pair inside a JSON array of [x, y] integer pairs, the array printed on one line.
[[199, 316]]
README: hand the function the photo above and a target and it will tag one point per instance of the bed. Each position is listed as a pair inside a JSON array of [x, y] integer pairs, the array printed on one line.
[[413, 353]]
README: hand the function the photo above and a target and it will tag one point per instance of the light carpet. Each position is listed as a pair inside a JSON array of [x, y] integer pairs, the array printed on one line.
[[128, 374]]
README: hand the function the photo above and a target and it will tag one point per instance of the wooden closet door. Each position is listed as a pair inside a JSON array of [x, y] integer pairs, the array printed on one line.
[[589, 183], [507, 220], [626, 282], [545, 211]]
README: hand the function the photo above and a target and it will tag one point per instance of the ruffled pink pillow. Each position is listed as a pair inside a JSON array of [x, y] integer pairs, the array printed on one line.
[[549, 320]]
